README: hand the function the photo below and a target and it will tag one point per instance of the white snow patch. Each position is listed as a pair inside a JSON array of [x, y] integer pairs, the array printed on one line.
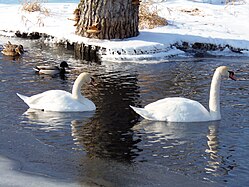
[[206, 21], [11, 177]]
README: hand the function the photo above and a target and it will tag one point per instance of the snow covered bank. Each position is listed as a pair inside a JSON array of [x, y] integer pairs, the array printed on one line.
[[225, 27], [11, 177]]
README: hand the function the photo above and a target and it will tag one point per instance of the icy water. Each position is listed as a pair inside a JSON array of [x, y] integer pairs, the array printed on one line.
[[113, 146]]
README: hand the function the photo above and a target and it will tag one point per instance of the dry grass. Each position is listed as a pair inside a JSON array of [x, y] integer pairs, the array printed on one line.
[[233, 2], [192, 11], [34, 6], [148, 16]]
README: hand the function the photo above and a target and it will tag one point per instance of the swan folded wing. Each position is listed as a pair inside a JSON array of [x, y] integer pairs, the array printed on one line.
[[178, 110], [88, 104], [144, 113], [54, 100], [162, 110]]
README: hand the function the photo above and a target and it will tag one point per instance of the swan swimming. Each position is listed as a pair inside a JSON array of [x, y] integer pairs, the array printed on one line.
[[62, 101], [178, 109]]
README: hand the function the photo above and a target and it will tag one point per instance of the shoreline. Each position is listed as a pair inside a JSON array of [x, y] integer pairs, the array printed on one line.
[[153, 44]]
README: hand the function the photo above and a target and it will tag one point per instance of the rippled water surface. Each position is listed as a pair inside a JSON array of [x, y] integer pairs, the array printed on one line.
[[101, 147]]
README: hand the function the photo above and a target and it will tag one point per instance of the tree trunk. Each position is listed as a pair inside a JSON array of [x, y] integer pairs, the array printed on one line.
[[107, 19]]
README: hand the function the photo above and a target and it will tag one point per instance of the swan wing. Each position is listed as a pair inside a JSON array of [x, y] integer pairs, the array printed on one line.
[[175, 109], [144, 113], [54, 100], [23, 97]]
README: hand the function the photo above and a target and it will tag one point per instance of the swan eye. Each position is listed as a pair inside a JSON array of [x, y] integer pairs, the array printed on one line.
[[231, 75]]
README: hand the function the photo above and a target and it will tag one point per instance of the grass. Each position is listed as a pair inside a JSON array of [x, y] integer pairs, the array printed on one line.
[[148, 16], [233, 2], [34, 6]]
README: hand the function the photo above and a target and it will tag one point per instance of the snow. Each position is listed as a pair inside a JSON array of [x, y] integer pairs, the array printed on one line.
[[11, 177], [207, 21]]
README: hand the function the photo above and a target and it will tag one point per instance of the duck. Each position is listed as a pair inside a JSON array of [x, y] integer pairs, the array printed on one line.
[[62, 101], [10, 45], [12, 49], [179, 109], [52, 70]]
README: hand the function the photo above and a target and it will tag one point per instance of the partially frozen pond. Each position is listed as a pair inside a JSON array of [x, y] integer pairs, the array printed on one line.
[[113, 146]]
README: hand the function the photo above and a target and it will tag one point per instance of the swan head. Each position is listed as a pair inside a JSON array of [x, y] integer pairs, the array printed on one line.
[[85, 78], [225, 72]]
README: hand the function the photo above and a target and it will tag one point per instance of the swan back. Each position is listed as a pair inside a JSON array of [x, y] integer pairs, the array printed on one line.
[[176, 109], [57, 100], [60, 100]]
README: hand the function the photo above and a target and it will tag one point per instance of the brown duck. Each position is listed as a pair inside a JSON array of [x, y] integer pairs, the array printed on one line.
[[12, 49]]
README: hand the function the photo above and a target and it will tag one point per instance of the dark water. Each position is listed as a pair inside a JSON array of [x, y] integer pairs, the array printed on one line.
[[112, 145]]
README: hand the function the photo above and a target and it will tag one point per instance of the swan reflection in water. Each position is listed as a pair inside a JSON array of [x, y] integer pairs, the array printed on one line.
[[104, 150], [81, 132], [187, 146], [55, 128]]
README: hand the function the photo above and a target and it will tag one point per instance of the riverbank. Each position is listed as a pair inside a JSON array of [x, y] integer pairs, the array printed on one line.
[[198, 28]]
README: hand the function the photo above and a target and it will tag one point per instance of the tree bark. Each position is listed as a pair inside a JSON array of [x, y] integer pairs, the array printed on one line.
[[107, 19]]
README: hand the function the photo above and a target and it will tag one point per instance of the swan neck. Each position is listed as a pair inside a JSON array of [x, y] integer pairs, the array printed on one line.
[[214, 99], [76, 91]]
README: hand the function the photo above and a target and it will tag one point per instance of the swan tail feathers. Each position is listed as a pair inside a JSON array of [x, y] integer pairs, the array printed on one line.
[[36, 69], [23, 97], [143, 112]]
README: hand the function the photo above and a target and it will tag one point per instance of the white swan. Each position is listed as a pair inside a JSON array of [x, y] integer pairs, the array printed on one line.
[[177, 109], [62, 101]]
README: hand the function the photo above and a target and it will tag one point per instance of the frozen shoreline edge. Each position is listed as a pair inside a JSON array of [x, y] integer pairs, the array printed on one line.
[[155, 44], [148, 53]]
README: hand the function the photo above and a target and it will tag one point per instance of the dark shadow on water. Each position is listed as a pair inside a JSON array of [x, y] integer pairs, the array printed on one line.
[[108, 135]]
